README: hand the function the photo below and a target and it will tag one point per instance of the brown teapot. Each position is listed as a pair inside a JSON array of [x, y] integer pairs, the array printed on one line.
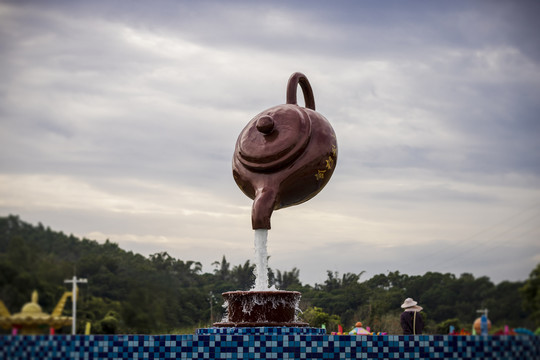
[[285, 155]]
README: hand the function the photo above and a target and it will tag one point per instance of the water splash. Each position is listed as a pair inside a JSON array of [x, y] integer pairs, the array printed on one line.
[[261, 260], [262, 308]]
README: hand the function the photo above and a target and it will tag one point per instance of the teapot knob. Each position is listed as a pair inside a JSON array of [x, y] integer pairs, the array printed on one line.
[[265, 124]]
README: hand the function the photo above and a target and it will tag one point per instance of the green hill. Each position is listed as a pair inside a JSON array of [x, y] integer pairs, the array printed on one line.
[[130, 293]]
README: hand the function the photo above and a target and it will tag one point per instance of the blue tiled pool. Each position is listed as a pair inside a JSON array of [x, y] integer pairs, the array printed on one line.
[[267, 343]]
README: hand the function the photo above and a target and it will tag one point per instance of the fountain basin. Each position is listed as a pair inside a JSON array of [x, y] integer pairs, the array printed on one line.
[[261, 309]]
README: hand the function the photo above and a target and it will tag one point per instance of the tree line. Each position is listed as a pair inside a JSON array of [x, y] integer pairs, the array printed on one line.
[[130, 293]]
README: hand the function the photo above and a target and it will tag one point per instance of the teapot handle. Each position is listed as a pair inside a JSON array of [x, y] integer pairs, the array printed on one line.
[[294, 80]]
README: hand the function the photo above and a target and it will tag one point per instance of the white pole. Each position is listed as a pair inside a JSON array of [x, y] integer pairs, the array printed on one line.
[[73, 304], [74, 301], [483, 311]]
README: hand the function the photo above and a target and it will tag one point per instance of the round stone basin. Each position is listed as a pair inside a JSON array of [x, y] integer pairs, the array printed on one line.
[[261, 308]]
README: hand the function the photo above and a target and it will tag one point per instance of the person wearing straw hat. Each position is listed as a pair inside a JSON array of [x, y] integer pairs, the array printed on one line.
[[412, 322]]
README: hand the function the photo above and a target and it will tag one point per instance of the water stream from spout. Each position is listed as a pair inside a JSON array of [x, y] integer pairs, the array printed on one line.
[[261, 260]]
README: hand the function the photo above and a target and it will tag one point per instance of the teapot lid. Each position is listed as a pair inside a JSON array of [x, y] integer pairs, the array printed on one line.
[[274, 138], [277, 136]]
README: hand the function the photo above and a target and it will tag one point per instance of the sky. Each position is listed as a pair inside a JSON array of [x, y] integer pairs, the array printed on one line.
[[118, 120]]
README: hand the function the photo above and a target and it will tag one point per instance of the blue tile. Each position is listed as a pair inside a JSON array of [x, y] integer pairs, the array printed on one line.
[[265, 343]]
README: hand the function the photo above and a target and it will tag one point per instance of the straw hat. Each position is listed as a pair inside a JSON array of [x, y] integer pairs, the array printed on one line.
[[411, 305]]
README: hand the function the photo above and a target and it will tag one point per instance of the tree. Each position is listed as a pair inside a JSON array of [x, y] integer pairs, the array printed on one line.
[[502, 303], [131, 293], [444, 327], [243, 276], [109, 324], [530, 292], [316, 317], [287, 280], [162, 261], [222, 269]]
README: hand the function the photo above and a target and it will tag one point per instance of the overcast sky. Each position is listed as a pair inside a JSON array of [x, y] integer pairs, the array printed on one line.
[[118, 120]]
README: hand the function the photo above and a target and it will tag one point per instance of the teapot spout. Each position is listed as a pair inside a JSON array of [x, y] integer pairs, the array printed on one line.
[[263, 206]]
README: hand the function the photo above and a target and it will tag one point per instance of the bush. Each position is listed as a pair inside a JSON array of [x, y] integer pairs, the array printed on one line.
[[316, 317], [444, 327], [109, 324]]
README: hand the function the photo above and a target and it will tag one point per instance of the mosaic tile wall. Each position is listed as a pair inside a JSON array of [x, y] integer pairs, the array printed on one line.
[[267, 343]]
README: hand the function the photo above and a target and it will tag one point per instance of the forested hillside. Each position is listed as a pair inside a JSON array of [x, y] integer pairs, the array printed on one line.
[[130, 293]]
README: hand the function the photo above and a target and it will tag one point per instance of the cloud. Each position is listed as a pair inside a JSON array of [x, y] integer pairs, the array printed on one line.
[[118, 120]]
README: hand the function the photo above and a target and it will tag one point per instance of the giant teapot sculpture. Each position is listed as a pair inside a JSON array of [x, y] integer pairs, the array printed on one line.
[[285, 155]]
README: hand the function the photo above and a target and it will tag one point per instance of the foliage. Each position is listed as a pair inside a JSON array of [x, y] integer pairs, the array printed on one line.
[[444, 327], [388, 323], [531, 295], [288, 280], [130, 293], [316, 317]]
